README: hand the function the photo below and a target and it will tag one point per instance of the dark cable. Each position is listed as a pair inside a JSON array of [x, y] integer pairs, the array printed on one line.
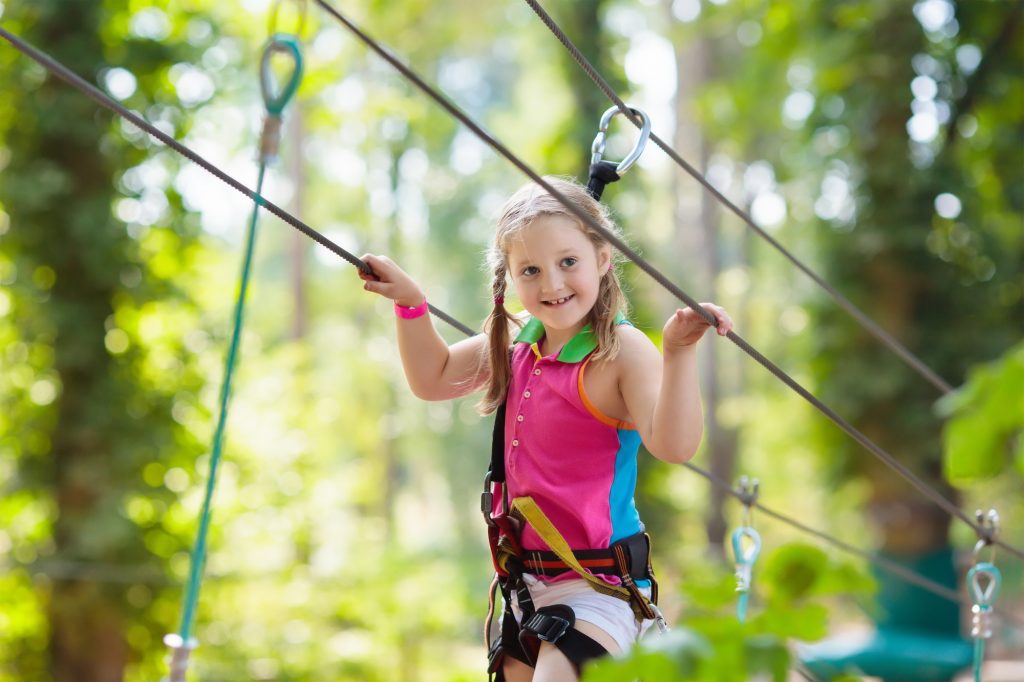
[[866, 322], [88, 89], [59, 70], [457, 113]]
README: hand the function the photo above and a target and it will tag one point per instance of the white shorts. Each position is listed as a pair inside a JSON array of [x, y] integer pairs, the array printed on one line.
[[611, 614]]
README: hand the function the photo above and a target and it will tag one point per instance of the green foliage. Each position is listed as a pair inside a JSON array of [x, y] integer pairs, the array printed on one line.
[[793, 581], [346, 538], [986, 421]]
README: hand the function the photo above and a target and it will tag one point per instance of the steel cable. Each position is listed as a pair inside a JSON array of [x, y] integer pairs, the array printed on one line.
[[94, 93], [432, 92], [860, 316], [100, 97]]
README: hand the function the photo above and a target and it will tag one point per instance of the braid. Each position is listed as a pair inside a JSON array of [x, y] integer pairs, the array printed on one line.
[[497, 327], [522, 208]]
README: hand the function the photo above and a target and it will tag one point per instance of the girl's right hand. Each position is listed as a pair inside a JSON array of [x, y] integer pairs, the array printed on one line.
[[391, 281]]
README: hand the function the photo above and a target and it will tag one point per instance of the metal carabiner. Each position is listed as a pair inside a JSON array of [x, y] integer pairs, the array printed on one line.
[[598, 146]]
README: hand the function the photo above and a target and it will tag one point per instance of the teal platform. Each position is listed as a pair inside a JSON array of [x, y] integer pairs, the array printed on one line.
[[917, 636]]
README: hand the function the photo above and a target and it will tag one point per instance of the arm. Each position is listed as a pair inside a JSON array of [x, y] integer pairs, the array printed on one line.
[[434, 370], [663, 394]]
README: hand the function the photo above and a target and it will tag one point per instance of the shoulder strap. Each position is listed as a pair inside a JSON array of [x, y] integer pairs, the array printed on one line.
[[497, 469]]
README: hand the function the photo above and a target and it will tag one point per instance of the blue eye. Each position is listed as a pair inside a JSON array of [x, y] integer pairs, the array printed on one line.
[[569, 262]]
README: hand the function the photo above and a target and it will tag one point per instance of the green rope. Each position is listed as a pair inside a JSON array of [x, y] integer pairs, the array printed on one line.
[[979, 658], [199, 555], [274, 106]]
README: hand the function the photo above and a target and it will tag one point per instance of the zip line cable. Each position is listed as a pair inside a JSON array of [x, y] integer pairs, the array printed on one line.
[[860, 316], [882, 562], [104, 100], [107, 102], [923, 487]]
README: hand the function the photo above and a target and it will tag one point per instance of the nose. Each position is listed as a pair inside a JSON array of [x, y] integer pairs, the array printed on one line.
[[551, 281]]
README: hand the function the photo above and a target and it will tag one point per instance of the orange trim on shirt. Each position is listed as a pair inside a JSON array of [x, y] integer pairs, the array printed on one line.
[[593, 409]]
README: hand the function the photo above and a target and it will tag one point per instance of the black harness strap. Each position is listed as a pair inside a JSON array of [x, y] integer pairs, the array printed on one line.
[[602, 173], [555, 624], [628, 558]]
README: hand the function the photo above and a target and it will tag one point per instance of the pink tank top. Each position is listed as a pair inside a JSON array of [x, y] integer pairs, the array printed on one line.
[[576, 463]]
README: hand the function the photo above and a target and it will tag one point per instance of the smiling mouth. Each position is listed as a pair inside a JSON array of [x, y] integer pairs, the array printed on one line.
[[560, 301]]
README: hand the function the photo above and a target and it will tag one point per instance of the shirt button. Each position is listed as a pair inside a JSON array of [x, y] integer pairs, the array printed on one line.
[[536, 372], [526, 394], [519, 418], [515, 443]]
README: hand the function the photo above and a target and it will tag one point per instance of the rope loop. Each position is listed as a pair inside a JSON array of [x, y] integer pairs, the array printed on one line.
[[287, 44], [598, 146], [746, 544], [984, 595]]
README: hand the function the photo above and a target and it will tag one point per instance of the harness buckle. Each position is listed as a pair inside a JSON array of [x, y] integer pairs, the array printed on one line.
[[547, 627], [487, 501]]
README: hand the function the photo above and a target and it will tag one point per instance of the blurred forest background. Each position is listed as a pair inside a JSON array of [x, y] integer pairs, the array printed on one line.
[[881, 140]]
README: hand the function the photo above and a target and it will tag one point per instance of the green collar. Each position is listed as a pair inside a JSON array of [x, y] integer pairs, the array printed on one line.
[[579, 346]]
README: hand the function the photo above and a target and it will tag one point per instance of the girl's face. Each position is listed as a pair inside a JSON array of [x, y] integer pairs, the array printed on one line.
[[556, 272]]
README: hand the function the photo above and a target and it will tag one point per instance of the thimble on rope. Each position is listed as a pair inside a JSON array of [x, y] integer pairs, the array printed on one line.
[[177, 661], [275, 99]]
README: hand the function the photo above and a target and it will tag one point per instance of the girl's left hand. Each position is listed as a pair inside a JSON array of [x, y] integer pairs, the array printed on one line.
[[687, 326]]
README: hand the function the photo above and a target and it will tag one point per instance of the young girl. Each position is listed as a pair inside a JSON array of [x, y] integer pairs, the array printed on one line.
[[578, 388]]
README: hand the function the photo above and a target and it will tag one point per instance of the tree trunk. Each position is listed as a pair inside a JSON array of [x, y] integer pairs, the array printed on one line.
[[697, 221]]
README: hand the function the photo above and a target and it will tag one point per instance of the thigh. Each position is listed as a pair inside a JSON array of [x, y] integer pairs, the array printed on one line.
[[598, 635], [516, 671], [552, 664]]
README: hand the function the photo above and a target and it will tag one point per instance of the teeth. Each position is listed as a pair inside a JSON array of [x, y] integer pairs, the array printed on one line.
[[559, 301]]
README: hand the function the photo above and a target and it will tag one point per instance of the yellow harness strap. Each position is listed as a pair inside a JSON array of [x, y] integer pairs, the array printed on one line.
[[527, 508]]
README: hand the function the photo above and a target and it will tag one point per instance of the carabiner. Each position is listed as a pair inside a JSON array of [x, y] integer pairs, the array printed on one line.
[[597, 148]]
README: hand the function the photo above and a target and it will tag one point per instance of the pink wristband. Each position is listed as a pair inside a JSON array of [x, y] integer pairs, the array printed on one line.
[[407, 313]]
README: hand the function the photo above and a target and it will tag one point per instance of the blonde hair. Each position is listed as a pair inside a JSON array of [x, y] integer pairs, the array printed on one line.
[[528, 204]]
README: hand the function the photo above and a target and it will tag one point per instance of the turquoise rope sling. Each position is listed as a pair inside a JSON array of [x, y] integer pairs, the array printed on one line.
[[279, 43]]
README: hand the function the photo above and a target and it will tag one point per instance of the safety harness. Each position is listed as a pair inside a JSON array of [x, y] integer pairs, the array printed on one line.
[[629, 559]]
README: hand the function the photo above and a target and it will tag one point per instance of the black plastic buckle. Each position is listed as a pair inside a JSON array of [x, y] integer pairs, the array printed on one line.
[[487, 500], [548, 628], [495, 656]]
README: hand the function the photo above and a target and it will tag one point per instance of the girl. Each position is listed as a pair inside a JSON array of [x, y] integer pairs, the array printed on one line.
[[576, 390]]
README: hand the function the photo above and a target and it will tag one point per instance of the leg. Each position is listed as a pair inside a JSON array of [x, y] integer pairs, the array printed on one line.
[[516, 671], [553, 666]]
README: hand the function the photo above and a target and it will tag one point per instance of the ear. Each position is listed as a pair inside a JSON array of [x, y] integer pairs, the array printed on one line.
[[604, 259]]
